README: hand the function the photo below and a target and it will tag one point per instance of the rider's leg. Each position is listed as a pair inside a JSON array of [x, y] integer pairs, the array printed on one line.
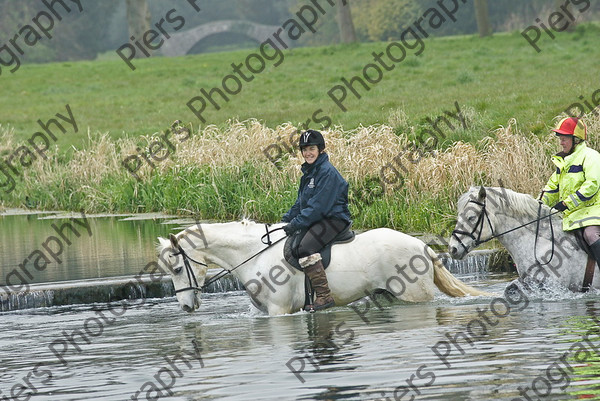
[[313, 267], [313, 241], [320, 234], [591, 234]]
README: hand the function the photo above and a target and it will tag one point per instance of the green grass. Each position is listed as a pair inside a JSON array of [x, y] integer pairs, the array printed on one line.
[[493, 80], [499, 78]]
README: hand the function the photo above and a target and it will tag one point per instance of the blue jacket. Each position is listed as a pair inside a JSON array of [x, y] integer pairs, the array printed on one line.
[[323, 193]]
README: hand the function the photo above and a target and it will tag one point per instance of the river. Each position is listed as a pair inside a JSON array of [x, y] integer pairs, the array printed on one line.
[[538, 345]]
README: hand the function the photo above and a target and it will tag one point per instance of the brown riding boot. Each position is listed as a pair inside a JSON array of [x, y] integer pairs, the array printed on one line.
[[313, 267]]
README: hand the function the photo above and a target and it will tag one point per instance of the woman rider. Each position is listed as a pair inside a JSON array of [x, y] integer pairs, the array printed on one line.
[[320, 212], [574, 186]]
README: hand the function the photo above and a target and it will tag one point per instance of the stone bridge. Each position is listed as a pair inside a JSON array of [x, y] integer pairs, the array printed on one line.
[[181, 43]]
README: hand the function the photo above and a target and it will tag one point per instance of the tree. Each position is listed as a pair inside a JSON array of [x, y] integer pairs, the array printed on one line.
[[266, 12], [83, 35], [75, 36], [382, 20], [138, 19], [345, 23], [15, 14], [482, 14], [571, 25]]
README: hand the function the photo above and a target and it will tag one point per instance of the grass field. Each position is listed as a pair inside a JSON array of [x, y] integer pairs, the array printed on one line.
[[222, 173], [499, 78]]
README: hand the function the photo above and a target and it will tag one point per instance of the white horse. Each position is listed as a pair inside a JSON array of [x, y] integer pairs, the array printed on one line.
[[544, 255], [380, 259]]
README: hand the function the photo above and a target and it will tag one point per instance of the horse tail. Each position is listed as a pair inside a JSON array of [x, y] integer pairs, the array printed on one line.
[[447, 283]]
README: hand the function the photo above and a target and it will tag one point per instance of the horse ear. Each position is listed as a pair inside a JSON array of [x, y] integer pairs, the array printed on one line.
[[482, 192], [173, 241]]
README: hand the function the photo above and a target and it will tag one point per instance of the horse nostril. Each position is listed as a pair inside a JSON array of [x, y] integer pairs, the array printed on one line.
[[453, 250], [187, 308]]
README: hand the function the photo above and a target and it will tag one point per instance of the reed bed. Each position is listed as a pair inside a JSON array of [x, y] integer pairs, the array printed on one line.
[[223, 173]]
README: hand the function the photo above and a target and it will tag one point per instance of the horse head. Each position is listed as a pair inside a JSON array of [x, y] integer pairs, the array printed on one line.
[[473, 225], [188, 275]]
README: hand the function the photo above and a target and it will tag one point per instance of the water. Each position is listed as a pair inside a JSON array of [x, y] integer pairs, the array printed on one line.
[[235, 353], [113, 351], [82, 252], [113, 246]]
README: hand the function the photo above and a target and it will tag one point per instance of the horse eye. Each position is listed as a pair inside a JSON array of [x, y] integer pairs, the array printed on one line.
[[471, 218], [177, 270]]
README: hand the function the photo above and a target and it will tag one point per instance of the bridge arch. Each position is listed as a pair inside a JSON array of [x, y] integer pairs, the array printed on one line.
[[181, 43]]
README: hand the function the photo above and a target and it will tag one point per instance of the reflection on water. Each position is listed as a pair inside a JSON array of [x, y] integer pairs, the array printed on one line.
[[236, 353], [36, 252], [144, 348], [583, 358]]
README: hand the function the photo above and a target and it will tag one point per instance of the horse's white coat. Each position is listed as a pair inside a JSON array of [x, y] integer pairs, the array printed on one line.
[[508, 209], [376, 259]]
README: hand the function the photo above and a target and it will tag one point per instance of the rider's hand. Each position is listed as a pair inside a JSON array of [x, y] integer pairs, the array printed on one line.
[[289, 229], [560, 206]]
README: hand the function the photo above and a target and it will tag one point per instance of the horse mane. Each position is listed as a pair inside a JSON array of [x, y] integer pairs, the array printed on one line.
[[507, 201]]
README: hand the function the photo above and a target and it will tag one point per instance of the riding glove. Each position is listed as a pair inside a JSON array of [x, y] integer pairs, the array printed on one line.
[[289, 229], [560, 206]]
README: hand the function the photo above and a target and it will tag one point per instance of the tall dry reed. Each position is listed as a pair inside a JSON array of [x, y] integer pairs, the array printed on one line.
[[232, 163]]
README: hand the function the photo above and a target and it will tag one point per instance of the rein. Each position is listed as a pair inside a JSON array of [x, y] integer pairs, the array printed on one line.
[[537, 234], [480, 222], [223, 272], [268, 235]]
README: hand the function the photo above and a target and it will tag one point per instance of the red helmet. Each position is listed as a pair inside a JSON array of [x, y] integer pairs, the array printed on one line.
[[571, 126]]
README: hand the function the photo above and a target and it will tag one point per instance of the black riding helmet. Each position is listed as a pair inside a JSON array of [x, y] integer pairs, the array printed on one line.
[[312, 137]]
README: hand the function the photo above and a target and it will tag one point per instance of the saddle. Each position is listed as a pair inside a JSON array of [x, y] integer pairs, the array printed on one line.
[[290, 249], [290, 253]]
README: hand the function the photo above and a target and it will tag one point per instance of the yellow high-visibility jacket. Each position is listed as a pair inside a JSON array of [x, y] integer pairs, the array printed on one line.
[[576, 182]]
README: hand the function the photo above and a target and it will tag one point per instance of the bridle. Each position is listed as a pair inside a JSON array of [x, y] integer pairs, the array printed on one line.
[[193, 282], [481, 219], [483, 216]]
